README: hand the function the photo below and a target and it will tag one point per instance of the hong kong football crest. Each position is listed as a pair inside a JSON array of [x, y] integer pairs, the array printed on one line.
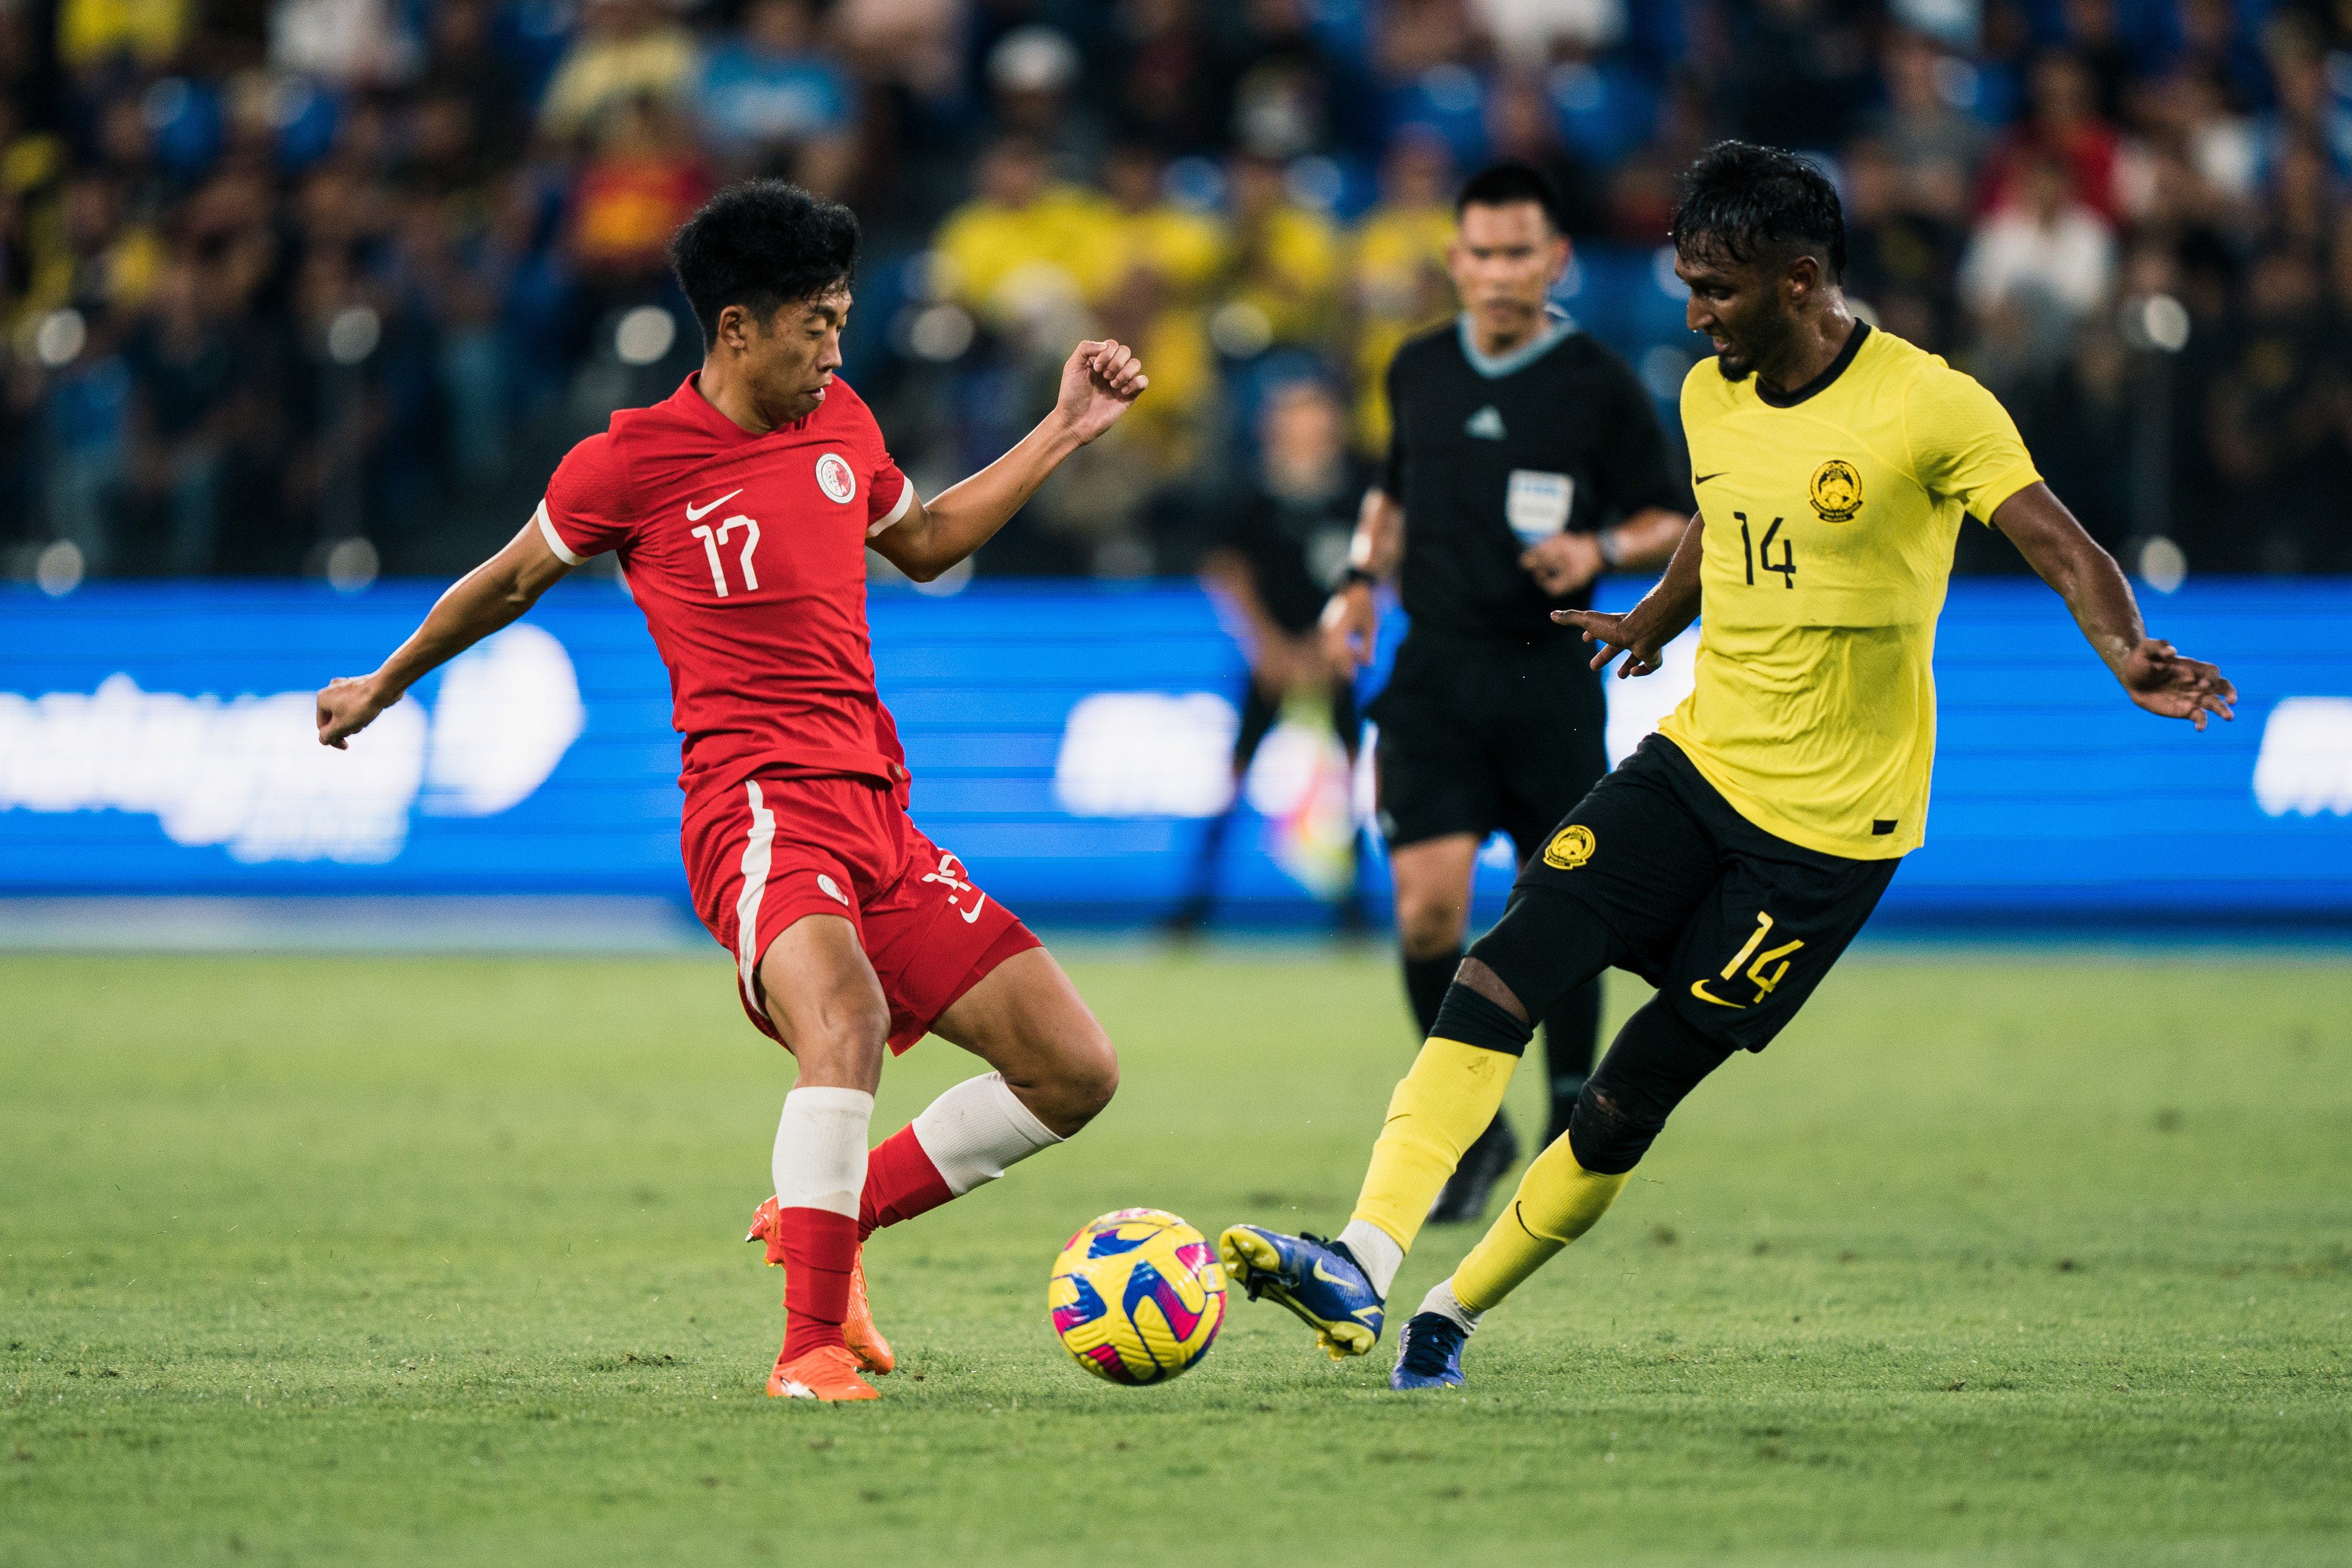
[[1569, 848], [1837, 491], [835, 477]]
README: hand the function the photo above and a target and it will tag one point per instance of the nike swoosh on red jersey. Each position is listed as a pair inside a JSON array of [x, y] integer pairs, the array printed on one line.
[[695, 514], [974, 913]]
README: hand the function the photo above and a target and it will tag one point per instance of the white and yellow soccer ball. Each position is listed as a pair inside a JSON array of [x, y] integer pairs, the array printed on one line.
[[1137, 1296]]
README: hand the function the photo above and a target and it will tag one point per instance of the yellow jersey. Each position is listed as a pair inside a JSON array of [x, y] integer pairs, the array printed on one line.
[[1830, 517]]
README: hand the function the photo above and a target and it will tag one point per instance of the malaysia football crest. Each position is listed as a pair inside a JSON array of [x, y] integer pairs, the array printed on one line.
[[1569, 848], [835, 477], [1837, 491]]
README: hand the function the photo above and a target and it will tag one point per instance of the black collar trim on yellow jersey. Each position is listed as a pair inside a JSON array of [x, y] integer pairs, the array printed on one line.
[[1819, 383]]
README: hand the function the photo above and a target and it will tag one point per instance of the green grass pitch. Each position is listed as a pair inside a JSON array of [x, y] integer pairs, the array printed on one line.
[[1992, 1258]]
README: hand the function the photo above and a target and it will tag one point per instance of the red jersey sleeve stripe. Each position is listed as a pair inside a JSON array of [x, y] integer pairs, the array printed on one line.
[[906, 500], [554, 540]]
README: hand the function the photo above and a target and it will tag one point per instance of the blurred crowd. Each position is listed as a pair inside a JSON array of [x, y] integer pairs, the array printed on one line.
[[328, 286]]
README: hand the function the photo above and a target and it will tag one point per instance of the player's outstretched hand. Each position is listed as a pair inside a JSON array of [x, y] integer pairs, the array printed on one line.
[[2162, 682], [1617, 634], [1098, 384], [347, 705]]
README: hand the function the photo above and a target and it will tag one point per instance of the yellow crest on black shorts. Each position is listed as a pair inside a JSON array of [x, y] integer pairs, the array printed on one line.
[[1837, 491], [1569, 848]]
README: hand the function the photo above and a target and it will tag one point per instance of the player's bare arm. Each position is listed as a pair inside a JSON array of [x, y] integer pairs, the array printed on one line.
[[1565, 562], [1643, 633], [1351, 620], [1100, 382], [491, 596], [2156, 676]]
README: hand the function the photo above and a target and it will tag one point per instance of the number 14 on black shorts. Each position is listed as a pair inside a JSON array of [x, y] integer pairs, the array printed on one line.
[[1736, 924]]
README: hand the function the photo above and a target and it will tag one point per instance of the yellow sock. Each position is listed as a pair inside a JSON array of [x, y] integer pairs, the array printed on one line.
[[1558, 1201], [1438, 1109]]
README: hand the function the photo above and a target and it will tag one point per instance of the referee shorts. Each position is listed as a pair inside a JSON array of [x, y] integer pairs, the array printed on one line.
[[1733, 924], [1477, 735]]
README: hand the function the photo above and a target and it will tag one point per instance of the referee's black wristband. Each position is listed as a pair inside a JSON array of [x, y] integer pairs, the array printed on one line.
[[1356, 574]]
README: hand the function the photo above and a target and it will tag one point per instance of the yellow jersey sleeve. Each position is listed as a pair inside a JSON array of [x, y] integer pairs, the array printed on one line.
[[1964, 446]]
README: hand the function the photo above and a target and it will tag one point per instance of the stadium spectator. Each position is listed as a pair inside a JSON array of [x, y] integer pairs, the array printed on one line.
[[771, 102], [1032, 74], [1396, 275], [1283, 282], [1026, 248], [1936, 146], [2062, 126], [1163, 259], [627, 50], [1218, 180], [2043, 259]]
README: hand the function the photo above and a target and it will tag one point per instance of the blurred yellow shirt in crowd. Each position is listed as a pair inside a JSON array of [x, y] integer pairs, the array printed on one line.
[[1831, 518], [1400, 286], [1187, 249], [1004, 261], [1286, 265], [91, 32], [596, 76]]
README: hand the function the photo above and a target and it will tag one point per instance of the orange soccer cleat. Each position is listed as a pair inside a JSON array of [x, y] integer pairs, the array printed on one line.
[[865, 1340], [828, 1372]]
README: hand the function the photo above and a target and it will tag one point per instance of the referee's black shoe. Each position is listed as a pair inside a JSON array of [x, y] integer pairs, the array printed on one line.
[[1484, 1163]]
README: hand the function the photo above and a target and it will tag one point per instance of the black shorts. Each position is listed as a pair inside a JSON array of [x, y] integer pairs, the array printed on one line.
[[1733, 924], [1479, 736]]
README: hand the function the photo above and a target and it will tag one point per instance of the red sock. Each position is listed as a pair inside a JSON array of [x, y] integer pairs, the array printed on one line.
[[819, 1246], [900, 1183]]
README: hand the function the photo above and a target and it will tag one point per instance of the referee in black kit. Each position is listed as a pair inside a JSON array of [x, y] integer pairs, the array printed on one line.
[[1527, 460]]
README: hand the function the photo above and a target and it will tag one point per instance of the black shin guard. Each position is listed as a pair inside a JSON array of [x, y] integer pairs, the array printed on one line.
[[1470, 1018], [1426, 980], [1657, 1058], [1571, 1031]]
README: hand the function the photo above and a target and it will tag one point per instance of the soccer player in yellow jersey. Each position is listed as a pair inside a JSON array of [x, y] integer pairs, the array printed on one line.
[[1732, 858]]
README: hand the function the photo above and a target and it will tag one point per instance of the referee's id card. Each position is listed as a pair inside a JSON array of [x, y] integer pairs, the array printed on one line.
[[1537, 503]]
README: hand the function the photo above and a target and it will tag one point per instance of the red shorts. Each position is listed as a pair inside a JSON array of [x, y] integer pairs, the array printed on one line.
[[774, 850]]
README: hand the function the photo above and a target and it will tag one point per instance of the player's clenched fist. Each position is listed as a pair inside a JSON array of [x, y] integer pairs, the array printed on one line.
[[1098, 382], [347, 705]]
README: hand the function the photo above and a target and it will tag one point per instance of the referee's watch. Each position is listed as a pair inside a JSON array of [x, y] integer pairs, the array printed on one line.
[[1611, 549]]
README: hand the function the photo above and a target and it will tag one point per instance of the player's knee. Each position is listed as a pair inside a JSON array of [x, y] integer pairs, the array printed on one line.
[[1088, 1082], [843, 1029], [1606, 1136], [1072, 1084], [1430, 925]]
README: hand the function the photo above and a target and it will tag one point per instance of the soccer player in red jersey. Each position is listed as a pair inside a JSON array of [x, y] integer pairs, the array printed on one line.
[[742, 509]]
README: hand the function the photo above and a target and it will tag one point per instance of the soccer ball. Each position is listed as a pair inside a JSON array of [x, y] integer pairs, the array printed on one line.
[[1137, 1296]]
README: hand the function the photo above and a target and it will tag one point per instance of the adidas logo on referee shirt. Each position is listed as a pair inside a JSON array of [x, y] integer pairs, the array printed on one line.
[[1487, 424]]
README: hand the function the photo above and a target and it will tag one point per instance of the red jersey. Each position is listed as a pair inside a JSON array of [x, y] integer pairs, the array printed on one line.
[[747, 554]]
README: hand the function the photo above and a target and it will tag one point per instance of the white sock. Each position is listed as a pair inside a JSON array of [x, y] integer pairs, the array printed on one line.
[[1442, 1300], [978, 1128], [1377, 1250], [821, 1149]]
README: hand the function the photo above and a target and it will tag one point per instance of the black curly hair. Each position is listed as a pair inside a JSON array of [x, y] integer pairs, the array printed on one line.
[[762, 244], [1743, 201]]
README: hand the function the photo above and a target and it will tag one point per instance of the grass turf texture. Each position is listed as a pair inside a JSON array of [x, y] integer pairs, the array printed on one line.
[[2031, 1261]]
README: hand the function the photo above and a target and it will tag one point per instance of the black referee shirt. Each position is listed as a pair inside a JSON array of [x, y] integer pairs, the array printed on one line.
[[1492, 455]]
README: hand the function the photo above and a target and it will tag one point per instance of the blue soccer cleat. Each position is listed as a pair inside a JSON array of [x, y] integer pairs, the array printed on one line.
[[1429, 1353], [1313, 1278]]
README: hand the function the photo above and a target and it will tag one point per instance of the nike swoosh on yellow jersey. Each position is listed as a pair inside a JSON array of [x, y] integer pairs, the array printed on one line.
[[1703, 478]]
